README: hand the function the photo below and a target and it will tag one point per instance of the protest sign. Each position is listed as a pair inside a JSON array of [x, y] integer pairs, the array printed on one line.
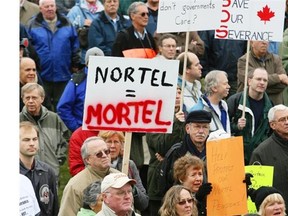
[[225, 167], [252, 20], [188, 15], [132, 95], [262, 176]]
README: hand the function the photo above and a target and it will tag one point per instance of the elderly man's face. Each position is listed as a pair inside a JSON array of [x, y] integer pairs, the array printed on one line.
[[198, 132], [99, 155], [260, 48], [111, 6], [33, 102], [119, 199], [48, 9], [222, 88], [280, 123], [140, 18]]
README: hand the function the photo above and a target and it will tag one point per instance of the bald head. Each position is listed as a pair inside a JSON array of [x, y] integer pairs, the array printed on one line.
[[27, 71]]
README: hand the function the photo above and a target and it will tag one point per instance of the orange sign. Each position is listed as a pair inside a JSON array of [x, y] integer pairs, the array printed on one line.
[[225, 167], [139, 53]]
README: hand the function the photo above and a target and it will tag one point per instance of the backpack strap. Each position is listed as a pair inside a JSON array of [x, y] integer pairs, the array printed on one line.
[[82, 12]]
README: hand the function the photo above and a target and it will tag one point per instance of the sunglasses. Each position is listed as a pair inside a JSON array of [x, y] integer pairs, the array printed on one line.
[[183, 202], [101, 153], [143, 14]]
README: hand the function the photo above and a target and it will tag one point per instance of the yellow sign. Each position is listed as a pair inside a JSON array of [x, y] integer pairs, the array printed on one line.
[[262, 176]]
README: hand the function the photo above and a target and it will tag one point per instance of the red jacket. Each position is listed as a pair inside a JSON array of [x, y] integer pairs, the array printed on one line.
[[77, 138]]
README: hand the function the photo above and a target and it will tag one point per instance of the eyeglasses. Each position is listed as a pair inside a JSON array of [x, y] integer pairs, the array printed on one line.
[[183, 202], [102, 152], [143, 14], [283, 119]]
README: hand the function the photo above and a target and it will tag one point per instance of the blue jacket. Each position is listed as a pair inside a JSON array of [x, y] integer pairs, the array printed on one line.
[[58, 51], [71, 104], [80, 12], [102, 33], [77, 16], [152, 21]]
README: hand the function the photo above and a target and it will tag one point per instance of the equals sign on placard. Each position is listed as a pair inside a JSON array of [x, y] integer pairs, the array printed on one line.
[[129, 93]]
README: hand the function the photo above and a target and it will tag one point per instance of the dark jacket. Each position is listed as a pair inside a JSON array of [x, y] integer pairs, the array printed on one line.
[[102, 33], [251, 137], [126, 40], [160, 143], [221, 54], [44, 182], [274, 152]]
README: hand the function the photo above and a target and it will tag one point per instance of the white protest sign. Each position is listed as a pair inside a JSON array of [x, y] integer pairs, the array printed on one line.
[[252, 20], [188, 15], [129, 94]]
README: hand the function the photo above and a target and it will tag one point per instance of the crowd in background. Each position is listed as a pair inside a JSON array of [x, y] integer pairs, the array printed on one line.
[[56, 39]]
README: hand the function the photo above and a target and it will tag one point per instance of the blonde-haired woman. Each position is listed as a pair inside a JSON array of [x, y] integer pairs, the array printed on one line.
[[178, 201], [268, 201]]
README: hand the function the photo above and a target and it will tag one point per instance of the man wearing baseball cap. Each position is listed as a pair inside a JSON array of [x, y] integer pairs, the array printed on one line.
[[116, 189]]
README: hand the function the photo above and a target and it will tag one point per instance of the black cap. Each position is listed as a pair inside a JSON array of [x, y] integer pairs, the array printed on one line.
[[198, 116], [261, 193]]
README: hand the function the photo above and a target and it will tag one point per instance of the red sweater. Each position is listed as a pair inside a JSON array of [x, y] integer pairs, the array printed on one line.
[[77, 138]]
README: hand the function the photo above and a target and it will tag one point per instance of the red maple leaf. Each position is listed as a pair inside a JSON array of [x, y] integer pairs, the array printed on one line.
[[265, 14]]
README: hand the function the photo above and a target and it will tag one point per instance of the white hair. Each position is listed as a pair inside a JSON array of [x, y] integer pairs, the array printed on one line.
[[41, 2], [271, 113]]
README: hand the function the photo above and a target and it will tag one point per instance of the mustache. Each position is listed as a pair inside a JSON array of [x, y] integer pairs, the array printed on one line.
[[201, 135]]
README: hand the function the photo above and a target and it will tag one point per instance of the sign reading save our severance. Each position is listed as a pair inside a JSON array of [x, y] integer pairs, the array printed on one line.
[[132, 95], [252, 20]]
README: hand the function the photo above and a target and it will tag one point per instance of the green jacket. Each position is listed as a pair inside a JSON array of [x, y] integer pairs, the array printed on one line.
[[160, 143], [53, 136], [251, 137]]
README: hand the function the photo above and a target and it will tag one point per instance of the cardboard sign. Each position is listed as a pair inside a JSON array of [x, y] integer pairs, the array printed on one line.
[[188, 15], [252, 20], [225, 167], [262, 176], [132, 95]]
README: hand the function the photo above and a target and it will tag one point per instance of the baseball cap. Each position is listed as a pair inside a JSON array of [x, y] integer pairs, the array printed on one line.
[[116, 180]]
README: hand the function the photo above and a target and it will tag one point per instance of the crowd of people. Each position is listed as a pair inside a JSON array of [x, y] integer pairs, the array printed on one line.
[[57, 37]]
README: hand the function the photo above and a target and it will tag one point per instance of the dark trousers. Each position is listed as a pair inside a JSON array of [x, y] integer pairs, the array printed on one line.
[[53, 92], [153, 208]]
